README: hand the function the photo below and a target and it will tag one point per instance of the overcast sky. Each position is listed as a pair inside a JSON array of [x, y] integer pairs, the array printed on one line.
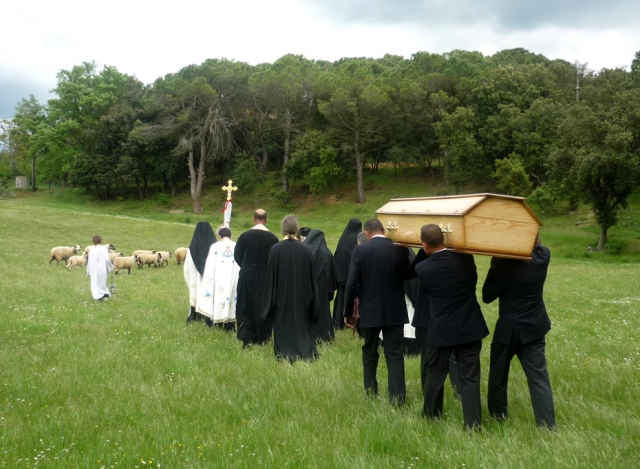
[[149, 39]]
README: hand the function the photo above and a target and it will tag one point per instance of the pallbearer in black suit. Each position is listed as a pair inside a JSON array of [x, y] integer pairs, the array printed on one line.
[[456, 325], [377, 272], [521, 328]]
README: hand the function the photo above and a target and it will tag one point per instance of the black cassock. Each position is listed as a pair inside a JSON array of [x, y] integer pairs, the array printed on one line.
[[326, 283], [290, 300], [341, 262], [252, 255]]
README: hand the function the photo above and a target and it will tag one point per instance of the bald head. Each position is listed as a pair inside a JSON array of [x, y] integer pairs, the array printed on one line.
[[259, 217]]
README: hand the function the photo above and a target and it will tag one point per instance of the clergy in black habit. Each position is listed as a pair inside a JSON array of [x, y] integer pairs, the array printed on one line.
[[326, 282], [377, 272], [252, 255], [290, 296], [341, 262]]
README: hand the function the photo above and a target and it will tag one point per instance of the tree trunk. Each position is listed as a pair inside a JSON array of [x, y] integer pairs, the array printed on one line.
[[603, 239], [265, 158], [287, 140], [359, 180], [33, 174], [174, 188], [165, 181], [139, 189], [146, 186], [195, 195]]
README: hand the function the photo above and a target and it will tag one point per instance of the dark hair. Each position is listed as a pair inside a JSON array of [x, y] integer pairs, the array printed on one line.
[[260, 214], [373, 225], [224, 232], [289, 225], [97, 239], [432, 235]]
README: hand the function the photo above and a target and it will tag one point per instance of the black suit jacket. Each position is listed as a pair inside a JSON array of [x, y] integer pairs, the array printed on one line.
[[519, 286], [377, 273], [450, 279]]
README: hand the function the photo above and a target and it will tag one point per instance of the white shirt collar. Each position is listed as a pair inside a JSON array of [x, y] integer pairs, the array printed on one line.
[[259, 226]]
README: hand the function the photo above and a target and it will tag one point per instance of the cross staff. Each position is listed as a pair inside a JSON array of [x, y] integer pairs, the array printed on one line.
[[229, 188]]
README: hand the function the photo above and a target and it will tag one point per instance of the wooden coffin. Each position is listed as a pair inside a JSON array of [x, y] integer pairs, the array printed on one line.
[[487, 224]]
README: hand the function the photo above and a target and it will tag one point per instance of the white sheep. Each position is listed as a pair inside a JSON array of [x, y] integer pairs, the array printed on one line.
[[166, 255], [62, 253], [142, 251], [113, 255], [148, 259], [78, 261], [122, 263], [181, 254]]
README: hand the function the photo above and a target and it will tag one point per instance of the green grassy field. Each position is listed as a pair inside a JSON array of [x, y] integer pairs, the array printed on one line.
[[127, 384]]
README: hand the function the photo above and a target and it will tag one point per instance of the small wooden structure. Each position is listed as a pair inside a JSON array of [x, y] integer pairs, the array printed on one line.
[[21, 182], [487, 224]]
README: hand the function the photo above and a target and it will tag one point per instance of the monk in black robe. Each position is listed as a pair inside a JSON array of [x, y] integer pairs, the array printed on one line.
[[252, 255], [290, 296], [341, 262], [326, 282]]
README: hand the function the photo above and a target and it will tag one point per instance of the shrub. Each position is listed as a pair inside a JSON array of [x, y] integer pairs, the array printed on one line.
[[511, 177]]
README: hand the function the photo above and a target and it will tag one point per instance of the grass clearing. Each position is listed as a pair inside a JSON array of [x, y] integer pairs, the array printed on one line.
[[127, 384]]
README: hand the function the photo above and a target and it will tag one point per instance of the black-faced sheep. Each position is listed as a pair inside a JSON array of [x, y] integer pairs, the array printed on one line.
[[63, 253], [148, 259], [181, 254], [122, 263], [166, 255], [113, 255]]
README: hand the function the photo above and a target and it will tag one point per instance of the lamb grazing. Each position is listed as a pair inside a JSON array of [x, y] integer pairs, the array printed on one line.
[[148, 259], [78, 261], [166, 255], [62, 253], [113, 255], [121, 263], [181, 254], [110, 247]]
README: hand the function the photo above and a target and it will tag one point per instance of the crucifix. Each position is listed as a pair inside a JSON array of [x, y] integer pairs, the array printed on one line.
[[227, 206]]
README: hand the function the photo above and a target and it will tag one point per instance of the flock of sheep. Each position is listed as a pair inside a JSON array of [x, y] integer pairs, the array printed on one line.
[[120, 262]]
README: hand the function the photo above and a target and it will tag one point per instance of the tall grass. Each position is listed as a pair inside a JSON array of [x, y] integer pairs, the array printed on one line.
[[128, 384]]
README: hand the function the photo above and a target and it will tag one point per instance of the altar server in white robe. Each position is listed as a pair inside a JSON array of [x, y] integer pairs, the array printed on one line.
[[194, 264], [98, 267], [219, 292]]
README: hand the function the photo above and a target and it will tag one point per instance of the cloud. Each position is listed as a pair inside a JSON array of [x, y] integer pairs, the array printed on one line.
[[507, 15], [13, 89]]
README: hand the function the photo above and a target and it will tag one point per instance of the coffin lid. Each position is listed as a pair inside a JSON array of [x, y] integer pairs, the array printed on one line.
[[450, 205]]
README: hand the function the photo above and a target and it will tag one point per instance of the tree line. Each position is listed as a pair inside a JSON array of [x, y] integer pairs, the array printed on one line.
[[546, 129]]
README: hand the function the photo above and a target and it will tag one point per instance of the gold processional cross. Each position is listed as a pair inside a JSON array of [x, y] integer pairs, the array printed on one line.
[[229, 188]]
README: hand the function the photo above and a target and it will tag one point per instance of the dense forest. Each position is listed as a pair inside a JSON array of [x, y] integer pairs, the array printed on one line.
[[545, 129]]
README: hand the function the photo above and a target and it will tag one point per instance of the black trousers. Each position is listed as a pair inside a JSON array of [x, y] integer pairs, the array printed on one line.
[[468, 360], [394, 355], [534, 365], [422, 334]]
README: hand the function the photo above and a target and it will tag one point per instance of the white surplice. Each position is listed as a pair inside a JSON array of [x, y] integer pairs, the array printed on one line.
[[98, 267], [193, 279], [218, 296]]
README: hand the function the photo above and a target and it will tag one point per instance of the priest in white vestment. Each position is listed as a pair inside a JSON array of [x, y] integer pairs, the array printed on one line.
[[98, 267], [194, 264], [219, 292]]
